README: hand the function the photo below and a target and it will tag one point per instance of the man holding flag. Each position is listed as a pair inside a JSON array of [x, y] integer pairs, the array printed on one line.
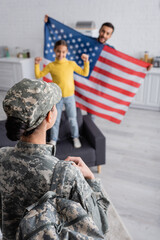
[[114, 77]]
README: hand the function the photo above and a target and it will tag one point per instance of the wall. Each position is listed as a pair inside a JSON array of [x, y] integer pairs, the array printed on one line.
[[137, 22]]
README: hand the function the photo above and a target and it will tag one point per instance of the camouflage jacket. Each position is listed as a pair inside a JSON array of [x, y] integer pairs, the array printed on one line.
[[25, 175]]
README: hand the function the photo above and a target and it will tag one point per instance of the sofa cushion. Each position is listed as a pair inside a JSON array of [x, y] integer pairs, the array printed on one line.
[[65, 148]]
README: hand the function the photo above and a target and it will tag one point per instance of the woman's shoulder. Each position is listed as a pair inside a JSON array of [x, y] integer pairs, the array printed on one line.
[[5, 153], [68, 171], [5, 150]]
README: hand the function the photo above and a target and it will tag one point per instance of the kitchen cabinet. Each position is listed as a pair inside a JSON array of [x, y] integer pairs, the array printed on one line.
[[148, 95], [13, 70]]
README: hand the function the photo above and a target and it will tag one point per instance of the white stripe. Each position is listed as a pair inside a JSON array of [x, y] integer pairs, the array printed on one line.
[[123, 62], [99, 110], [46, 61], [48, 76], [103, 89], [114, 82], [99, 99], [117, 72]]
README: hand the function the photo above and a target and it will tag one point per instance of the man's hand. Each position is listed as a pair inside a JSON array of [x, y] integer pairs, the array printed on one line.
[[78, 162], [149, 67], [38, 60], [84, 57], [46, 18]]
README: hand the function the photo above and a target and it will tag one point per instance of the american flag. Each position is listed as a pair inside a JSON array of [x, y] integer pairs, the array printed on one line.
[[114, 77]]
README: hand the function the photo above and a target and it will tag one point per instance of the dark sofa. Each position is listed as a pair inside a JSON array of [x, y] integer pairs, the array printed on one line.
[[93, 141]]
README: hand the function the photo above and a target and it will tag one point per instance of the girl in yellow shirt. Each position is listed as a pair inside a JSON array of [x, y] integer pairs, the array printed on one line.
[[62, 71]]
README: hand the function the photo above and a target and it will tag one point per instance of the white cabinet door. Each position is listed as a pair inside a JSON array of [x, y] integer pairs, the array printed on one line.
[[9, 73], [148, 95], [13, 70]]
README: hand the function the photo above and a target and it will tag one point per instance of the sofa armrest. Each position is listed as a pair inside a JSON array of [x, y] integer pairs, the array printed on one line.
[[96, 139]]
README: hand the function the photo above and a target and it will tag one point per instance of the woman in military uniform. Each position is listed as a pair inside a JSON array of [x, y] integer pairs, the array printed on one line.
[[26, 169]]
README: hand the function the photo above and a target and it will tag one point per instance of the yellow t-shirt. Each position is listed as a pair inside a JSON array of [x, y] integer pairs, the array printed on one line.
[[62, 74]]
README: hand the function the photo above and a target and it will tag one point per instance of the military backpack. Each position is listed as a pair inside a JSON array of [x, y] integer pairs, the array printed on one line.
[[56, 217]]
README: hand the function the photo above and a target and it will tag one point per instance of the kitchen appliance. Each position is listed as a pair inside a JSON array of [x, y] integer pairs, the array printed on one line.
[[156, 61]]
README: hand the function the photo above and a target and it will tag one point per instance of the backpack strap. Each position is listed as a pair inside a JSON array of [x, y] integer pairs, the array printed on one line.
[[58, 179], [43, 199]]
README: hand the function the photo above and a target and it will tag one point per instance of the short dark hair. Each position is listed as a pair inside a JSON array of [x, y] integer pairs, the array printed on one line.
[[60, 42], [108, 24]]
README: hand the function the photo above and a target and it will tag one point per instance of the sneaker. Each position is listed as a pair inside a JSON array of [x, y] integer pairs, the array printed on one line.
[[76, 142], [52, 142]]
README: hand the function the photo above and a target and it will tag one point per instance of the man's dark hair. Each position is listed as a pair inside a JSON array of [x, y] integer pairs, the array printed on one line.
[[108, 24]]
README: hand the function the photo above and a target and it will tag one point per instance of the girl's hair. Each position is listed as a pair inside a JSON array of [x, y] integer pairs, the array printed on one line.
[[60, 42], [16, 128]]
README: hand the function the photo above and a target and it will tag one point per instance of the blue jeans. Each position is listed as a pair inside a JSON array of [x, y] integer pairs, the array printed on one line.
[[70, 107]]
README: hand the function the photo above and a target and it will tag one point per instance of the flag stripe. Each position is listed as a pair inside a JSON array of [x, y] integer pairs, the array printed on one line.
[[101, 99], [112, 87], [104, 95], [103, 90], [113, 82], [120, 67], [98, 104], [110, 118], [47, 79], [118, 72], [122, 61], [125, 57], [100, 110], [115, 77]]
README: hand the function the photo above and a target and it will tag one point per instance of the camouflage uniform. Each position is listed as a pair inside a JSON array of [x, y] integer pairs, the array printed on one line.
[[26, 170], [25, 175]]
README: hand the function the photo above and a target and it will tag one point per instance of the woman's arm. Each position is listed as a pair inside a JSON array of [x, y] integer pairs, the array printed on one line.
[[90, 194]]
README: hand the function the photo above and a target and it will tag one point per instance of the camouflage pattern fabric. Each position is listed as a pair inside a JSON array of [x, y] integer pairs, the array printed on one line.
[[56, 218], [25, 176], [31, 100]]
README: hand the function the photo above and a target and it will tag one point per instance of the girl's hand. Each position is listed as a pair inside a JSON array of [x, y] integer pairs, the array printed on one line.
[[38, 60], [84, 57], [78, 162]]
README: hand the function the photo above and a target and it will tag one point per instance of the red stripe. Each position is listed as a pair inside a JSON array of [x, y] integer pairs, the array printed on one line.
[[115, 77], [101, 94], [112, 119], [121, 67], [112, 87], [126, 57], [47, 79], [98, 104]]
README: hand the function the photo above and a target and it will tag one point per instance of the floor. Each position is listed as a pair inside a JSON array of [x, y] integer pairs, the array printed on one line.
[[131, 176]]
